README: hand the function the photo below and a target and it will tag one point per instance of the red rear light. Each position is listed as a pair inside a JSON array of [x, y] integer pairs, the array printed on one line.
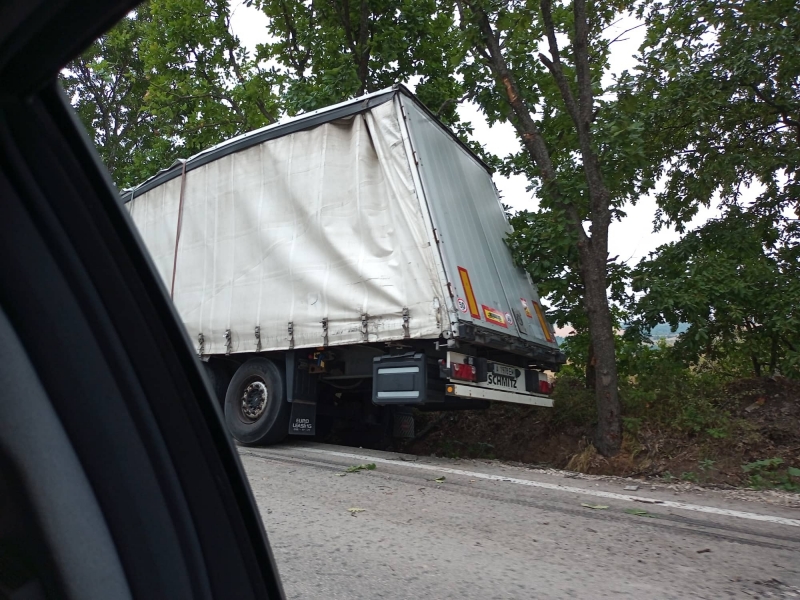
[[465, 372], [545, 387]]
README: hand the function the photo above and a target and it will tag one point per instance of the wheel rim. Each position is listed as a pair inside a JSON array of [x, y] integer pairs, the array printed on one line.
[[255, 398]]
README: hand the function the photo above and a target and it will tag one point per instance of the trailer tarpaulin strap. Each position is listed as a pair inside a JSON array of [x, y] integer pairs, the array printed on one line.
[[178, 229]]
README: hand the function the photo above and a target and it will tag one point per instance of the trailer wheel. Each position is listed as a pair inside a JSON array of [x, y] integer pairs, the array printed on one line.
[[256, 410]]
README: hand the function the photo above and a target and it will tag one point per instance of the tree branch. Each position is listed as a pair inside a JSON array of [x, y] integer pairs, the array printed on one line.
[[581, 51], [448, 102], [240, 76], [628, 30], [526, 127], [554, 65], [363, 47], [783, 111], [297, 57]]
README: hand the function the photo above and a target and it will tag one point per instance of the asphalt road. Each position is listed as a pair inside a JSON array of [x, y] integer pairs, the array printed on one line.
[[494, 531]]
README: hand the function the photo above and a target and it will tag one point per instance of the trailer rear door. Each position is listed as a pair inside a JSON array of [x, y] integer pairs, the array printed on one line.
[[489, 290]]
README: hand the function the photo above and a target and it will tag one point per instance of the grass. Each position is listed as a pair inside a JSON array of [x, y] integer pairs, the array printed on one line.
[[772, 473], [583, 460]]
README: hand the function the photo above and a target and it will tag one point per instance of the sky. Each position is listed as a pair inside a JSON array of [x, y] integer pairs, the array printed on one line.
[[631, 239]]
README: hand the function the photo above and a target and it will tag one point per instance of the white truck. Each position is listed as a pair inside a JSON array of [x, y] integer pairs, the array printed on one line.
[[349, 262]]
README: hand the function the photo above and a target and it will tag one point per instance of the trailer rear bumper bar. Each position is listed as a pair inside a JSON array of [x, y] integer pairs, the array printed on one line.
[[468, 391]]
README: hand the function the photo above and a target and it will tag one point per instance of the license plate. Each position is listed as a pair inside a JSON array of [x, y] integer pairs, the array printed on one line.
[[504, 377], [503, 370]]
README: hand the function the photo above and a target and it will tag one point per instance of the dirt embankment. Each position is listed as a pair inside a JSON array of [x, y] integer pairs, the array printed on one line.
[[762, 423]]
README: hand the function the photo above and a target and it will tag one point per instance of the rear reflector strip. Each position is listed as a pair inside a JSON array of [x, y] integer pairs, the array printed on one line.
[[542, 322], [469, 293]]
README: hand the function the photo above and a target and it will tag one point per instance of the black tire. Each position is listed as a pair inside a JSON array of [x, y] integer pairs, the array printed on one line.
[[256, 410]]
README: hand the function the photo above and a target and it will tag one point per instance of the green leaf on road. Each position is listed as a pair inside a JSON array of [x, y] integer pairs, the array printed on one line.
[[639, 512], [594, 506], [354, 511], [440, 479], [357, 468]]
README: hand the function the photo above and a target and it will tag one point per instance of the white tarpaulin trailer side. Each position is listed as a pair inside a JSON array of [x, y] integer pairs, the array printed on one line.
[[352, 224]]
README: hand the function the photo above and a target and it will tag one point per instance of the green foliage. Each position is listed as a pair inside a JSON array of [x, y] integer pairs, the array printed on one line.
[[735, 281], [706, 464], [657, 386], [204, 87], [108, 87], [706, 467], [327, 52], [172, 79], [451, 448], [719, 81], [714, 106], [543, 245], [718, 433], [632, 424], [544, 241], [723, 77], [771, 473], [573, 404], [357, 468], [168, 81]]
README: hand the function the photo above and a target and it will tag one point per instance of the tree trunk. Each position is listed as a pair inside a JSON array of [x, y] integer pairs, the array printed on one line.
[[756, 365], [773, 355], [591, 367], [608, 435]]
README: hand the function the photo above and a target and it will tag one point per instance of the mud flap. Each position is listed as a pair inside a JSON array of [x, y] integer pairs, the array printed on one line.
[[399, 379], [403, 423], [304, 418]]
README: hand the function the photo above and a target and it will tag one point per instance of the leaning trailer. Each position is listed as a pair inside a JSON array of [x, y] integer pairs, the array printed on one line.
[[345, 261]]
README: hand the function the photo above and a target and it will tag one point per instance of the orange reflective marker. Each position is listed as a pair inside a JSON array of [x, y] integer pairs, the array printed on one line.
[[542, 322], [467, 285]]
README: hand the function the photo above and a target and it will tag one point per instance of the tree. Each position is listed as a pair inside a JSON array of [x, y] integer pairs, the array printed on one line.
[[204, 87], [737, 292], [583, 149], [168, 81], [724, 83], [332, 51], [107, 86], [725, 79]]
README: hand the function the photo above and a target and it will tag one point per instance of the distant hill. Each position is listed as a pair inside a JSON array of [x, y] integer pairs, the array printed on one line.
[[665, 329], [657, 333], [664, 332]]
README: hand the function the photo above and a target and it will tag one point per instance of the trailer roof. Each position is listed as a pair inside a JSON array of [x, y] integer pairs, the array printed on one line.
[[285, 127]]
